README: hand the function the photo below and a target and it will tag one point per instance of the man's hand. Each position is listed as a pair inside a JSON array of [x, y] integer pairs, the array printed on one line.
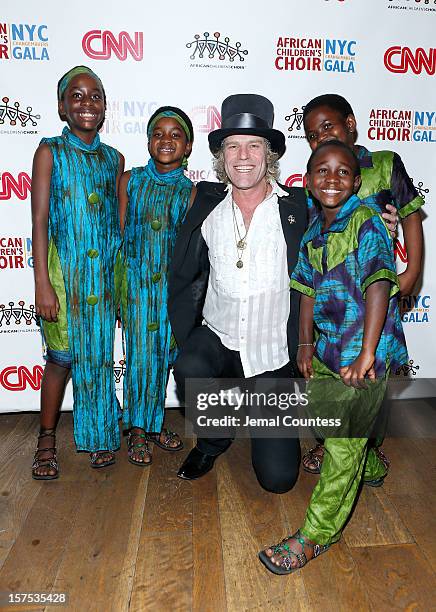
[[354, 374], [391, 217], [46, 302], [304, 361]]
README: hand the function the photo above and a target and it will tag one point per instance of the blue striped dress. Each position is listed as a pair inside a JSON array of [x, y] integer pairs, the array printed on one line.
[[156, 209], [84, 232]]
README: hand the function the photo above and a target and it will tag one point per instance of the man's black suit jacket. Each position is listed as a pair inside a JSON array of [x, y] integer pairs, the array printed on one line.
[[189, 271]]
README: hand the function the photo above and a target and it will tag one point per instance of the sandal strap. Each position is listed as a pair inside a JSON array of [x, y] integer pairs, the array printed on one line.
[[52, 449], [101, 453], [133, 450], [170, 436], [380, 454], [319, 548], [47, 462], [46, 433], [312, 455], [140, 448], [133, 434], [286, 560], [37, 463]]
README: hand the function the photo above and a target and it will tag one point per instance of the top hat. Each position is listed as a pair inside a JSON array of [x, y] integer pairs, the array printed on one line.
[[247, 114]]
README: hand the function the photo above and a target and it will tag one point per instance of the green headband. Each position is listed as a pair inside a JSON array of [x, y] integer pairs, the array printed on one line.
[[66, 79], [177, 117]]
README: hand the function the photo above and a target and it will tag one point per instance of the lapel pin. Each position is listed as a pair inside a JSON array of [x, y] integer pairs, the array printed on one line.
[[291, 219]]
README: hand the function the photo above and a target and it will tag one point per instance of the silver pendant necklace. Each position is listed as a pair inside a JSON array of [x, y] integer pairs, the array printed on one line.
[[239, 240]]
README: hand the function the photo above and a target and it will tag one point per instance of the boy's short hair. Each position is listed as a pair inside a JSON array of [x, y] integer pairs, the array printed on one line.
[[339, 144], [333, 101]]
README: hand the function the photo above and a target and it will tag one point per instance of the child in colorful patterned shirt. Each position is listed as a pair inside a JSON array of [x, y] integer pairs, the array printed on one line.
[[385, 187], [347, 277]]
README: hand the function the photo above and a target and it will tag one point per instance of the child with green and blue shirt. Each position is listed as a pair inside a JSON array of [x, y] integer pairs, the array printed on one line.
[[347, 277]]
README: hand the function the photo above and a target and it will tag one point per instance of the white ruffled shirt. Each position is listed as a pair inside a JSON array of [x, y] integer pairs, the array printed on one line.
[[248, 307]]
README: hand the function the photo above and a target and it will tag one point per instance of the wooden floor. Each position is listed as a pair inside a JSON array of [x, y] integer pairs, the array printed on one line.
[[140, 539]]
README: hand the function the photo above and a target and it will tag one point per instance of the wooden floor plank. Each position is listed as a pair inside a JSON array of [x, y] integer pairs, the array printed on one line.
[[169, 499], [39, 547], [397, 577], [250, 517], [18, 490], [96, 566], [406, 471], [163, 579], [164, 566], [376, 521], [420, 523], [209, 594]]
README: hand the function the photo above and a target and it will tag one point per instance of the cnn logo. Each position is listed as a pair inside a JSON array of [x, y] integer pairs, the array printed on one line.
[[297, 179], [13, 378], [100, 44], [20, 187], [401, 59]]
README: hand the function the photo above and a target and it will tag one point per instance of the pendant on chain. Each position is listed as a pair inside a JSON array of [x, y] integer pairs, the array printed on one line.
[[239, 263], [241, 244]]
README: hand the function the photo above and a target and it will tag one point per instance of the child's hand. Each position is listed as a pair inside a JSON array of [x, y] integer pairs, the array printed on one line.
[[391, 218], [304, 360], [407, 282], [354, 374], [46, 302]]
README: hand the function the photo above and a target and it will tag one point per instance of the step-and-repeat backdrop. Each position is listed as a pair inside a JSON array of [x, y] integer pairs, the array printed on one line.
[[379, 54]]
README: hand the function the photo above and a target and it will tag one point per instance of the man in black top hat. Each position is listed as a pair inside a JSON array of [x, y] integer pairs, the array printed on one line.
[[230, 307]]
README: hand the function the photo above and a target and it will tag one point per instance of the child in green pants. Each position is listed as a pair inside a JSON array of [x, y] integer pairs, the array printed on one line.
[[347, 277]]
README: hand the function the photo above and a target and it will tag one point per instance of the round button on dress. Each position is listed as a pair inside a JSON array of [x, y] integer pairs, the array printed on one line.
[[93, 198]]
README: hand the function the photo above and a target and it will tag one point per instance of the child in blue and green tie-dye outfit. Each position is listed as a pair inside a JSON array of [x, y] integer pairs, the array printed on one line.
[[347, 277], [154, 200], [76, 238]]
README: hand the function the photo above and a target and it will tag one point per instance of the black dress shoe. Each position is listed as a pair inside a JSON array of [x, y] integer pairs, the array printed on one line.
[[196, 465]]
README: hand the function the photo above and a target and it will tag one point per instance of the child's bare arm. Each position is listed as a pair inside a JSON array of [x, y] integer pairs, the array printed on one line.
[[413, 239], [305, 350], [123, 198], [377, 299], [46, 301]]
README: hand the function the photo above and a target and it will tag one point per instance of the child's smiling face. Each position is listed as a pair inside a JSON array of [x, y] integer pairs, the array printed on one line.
[[325, 123], [168, 144], [333, 177], [82, 105]]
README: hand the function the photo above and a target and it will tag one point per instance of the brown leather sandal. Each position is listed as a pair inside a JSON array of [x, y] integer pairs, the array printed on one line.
[[101, 454], [169, 437], [312, 460], [137, 444], [287, 564], [49, 462]]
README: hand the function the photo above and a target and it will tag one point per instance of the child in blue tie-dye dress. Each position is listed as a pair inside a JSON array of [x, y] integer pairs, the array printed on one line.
[[154, 200], [76, 238]]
